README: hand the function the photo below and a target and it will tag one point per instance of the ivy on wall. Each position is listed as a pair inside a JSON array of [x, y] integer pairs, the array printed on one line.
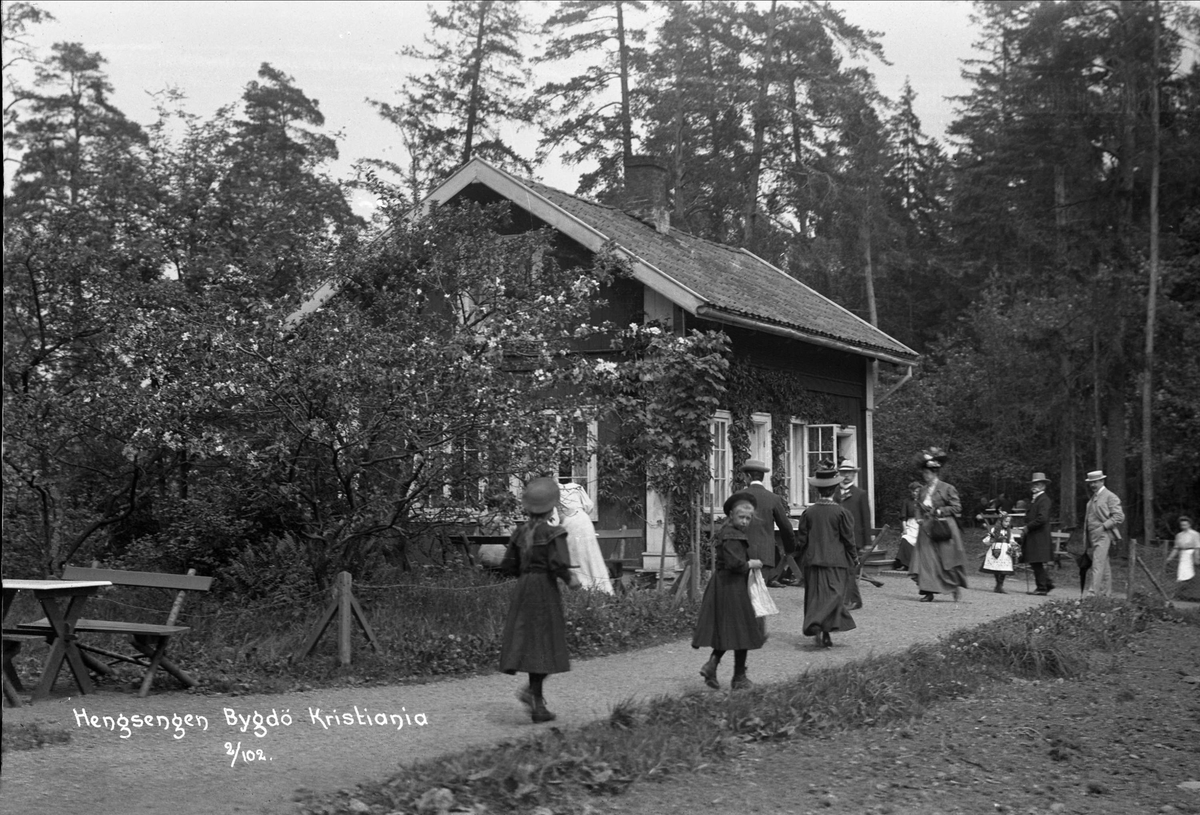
[[660, 393], [754, 389]]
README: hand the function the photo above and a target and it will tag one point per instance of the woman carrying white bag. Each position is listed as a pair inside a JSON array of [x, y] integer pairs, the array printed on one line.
[[727, 620]]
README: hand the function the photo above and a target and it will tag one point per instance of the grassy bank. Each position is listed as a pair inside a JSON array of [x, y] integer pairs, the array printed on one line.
[[561, 770]]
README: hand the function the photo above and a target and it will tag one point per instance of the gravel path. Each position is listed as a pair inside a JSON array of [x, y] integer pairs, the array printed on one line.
[[190, 771]]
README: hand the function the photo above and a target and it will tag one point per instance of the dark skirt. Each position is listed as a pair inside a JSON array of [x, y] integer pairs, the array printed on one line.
[[535, 633], [929, 570], [824, 609], [904, 553], [727, 621]]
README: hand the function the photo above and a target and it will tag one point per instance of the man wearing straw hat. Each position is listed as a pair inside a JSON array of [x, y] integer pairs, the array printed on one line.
[[1102, 524], [1037, 548]]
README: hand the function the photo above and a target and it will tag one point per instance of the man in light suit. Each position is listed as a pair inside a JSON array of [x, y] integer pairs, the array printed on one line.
[[1102, 525], [771, 512], [854, 500]]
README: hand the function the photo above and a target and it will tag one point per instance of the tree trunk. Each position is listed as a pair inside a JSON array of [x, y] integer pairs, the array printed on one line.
[[1117, 439], [864, 232], [626, 118], [1067, 507], [750, 214], [1151, 302], [1060, 212], [476, 77]]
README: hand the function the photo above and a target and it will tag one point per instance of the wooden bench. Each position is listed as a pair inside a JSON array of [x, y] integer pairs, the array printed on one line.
[[1060, 548], [614, 545], [877, 555], [150, 640]]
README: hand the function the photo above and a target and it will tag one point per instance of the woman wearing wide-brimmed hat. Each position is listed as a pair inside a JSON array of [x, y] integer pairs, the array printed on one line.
[[827, 554], [535, 631], [727, 621], [939, 563]]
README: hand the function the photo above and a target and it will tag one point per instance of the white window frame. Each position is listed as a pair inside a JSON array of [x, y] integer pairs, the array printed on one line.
[[760, 442], [589, 473], [794, 466], [720, 465], [812, 457], [589, 477]]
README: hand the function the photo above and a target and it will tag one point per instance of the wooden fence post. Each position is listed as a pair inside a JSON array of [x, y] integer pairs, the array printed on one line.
[[346, 607]]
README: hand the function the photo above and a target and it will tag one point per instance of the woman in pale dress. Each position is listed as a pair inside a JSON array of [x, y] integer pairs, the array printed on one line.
[[1187, 549], [587, 561]]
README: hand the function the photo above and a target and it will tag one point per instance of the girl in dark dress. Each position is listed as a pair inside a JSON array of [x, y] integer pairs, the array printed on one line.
[[826, 549], [727, 621], [535, 633]]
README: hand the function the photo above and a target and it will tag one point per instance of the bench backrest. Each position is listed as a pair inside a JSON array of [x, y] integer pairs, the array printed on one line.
[[120, 577], [612, 543]]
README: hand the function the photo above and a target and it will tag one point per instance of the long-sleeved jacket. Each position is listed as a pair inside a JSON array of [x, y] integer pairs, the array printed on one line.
[[1038, 545], [1103, 517], [855, 502], [826, 537]]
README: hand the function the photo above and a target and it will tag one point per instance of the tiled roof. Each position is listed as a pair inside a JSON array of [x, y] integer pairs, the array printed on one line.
[[728, 280]]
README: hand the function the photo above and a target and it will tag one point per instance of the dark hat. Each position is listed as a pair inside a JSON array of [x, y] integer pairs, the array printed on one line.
[[753, 464], [1039, 477], [825, 476], [932, 458], [739, 497], [541, 494]]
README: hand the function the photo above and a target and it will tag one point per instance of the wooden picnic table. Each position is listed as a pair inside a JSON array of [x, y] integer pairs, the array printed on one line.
[[63, 602]]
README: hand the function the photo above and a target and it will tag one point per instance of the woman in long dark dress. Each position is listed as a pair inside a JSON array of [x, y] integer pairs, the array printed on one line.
[[939, 566], [535, 632], [827, 553], [727, 621]]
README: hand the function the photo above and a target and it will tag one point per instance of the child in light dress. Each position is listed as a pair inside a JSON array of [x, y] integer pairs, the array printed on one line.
[[1002, 552]]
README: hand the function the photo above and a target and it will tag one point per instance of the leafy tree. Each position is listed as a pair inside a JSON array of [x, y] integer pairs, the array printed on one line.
[[75, 256], [1047, 193], [245, 202]]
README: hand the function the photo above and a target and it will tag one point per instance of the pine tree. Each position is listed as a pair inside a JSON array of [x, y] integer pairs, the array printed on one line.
[[474, 91], [585, 110]]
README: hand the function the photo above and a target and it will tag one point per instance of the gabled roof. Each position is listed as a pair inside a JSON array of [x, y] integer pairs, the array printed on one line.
[[707, 279]]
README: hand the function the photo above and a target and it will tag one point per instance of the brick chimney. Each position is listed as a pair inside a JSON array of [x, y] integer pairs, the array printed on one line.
[[646, 192]]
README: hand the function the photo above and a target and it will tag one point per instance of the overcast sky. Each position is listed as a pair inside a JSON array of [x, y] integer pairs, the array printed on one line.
[[343, 52]]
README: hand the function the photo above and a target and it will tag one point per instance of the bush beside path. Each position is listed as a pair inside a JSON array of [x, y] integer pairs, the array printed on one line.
[[188, 770]]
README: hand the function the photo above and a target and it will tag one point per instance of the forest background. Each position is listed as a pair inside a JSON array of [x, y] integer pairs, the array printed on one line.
[[161, 413]]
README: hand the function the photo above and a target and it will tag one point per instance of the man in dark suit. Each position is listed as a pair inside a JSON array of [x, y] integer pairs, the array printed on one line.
[[1037, 547], [854, 500], [771, 512]]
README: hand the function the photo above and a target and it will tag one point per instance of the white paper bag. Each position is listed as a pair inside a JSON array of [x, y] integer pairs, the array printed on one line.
[[764, 606]]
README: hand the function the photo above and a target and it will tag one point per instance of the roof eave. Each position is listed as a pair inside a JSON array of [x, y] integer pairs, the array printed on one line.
[[720, 315]]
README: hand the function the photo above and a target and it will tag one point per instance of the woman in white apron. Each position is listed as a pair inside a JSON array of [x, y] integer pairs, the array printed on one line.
[[587, 561]]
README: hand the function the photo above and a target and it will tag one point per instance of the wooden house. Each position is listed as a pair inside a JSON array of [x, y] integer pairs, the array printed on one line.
[[776, 324]]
